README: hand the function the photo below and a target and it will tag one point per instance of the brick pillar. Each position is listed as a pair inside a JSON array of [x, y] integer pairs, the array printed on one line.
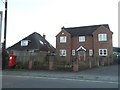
[[98, 62], [108, 61], [90, 62], [103, 61], [30, 64], [75, 65], [50, 65], [51, 61]]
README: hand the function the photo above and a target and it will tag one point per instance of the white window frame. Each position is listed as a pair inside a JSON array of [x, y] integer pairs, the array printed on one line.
[[90, 52], [102, 37], [63, 39], [63, 52], [102, 52], [24, 42], [73, 52], [81, 38], [41, 42]]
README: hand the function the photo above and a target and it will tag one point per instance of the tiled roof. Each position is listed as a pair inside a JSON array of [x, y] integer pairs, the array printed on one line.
[[36, 42], [116, 49], [85, 30]]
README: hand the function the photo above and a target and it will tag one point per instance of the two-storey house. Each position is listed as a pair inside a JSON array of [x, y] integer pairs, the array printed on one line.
[[83, 42]]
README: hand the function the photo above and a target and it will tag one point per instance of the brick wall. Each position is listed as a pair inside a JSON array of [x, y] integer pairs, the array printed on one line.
[[102, 44], [66, 46], [88, 44]]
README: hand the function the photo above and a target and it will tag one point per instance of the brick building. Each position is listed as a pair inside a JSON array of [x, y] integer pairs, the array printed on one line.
[[83, 42]]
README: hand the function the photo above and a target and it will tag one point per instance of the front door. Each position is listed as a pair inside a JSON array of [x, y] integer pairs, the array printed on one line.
[[81, 55]]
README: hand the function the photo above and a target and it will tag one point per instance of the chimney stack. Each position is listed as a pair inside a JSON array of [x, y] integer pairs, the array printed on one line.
[[44, 35]]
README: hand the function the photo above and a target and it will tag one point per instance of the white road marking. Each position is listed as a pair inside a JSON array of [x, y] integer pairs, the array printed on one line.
[[63, 79]]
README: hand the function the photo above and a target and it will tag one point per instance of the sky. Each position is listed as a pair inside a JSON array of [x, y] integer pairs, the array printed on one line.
[[48, 16]]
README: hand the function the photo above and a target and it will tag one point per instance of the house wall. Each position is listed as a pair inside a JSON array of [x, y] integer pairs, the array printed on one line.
[[102, 44], [91, 42], [66, 46], [88, 44]]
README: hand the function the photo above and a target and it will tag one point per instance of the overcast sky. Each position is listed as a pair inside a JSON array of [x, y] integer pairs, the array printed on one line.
[[48, 16]]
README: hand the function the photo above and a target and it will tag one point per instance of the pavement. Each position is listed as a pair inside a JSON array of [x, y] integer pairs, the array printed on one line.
[[104, 73]]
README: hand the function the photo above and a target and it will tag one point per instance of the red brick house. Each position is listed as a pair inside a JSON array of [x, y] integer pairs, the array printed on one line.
[[83, 42]]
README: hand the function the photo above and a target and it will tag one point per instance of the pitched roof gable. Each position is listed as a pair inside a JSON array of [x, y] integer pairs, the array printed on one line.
[[36, 42], [85, 30]]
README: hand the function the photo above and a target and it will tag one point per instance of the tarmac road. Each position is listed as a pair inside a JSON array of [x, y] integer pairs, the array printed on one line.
[[45, 82], [102, 77]]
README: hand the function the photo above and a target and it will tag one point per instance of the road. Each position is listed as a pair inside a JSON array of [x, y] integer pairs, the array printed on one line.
[[42, 82], [103, 77]]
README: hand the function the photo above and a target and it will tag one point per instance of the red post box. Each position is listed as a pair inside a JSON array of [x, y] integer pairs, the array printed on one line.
[[11, 62]]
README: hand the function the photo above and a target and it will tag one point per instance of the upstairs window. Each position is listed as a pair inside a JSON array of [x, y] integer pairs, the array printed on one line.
[[24, 43], [62, 52], [102, 37], [102, 52], [81, 38], [63, 39]]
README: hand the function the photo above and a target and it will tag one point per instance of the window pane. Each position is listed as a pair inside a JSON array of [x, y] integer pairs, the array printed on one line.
[[62, 52], [24, 43], [90, 52], [63, 39], [73, 52], [103, 52], [81, 38], [102, 37]]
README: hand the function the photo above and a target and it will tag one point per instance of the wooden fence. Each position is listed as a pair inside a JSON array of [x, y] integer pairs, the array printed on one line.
[[28, 60]]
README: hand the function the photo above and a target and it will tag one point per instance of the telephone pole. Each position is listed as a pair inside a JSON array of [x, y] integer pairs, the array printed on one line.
[[5, 26], [4, 52]]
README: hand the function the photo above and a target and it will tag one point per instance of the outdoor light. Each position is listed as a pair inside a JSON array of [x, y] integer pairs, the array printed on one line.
[[10, 58]]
